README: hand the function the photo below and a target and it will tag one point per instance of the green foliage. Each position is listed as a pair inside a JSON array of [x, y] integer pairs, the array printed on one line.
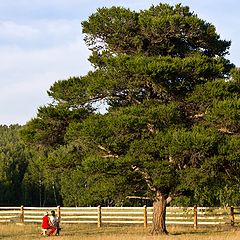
[[172, 124], [14, 159], [204, 95], [71, 94], [226, 114], [49, 128], [117, 129], [235, 75], [116, 29], [156, 77], [162, 30]]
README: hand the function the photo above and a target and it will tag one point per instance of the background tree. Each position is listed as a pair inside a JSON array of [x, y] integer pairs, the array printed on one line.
[[173, 112], [14, 160]]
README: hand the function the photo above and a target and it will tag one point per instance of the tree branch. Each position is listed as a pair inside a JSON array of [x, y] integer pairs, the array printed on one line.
[[169, 199], [146, 177], [110, 153], [103, 148], [225, 130]]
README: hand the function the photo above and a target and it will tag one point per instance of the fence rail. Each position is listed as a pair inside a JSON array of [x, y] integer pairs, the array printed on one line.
[[124, 215]]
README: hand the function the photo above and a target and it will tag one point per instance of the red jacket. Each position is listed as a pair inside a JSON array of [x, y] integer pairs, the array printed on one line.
[[45, 222]]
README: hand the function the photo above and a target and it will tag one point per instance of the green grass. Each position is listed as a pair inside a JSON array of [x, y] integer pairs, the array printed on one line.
[[91, 232]]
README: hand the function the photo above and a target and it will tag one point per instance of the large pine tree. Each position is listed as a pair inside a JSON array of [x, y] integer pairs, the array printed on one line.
[[172, 125]]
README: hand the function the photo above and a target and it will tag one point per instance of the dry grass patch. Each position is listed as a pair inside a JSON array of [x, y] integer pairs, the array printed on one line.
[[91, 232]]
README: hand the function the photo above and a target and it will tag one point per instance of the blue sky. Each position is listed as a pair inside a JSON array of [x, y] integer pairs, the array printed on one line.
[[41, 42]]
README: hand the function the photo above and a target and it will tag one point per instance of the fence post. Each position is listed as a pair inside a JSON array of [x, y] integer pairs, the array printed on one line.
[[99, 216], [22, 214], [59, 213], [195, 217], [232, 215], [145, 215]]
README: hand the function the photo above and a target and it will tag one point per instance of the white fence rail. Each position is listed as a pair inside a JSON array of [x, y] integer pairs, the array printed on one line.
[[123, 215]]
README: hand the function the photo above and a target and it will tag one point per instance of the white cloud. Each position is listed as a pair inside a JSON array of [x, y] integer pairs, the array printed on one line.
[[33, 56], [64, 58], [27, 75], [39, 33], [10, 30]]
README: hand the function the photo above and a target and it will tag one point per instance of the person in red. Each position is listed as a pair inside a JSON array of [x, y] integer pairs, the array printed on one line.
[[46, 225]]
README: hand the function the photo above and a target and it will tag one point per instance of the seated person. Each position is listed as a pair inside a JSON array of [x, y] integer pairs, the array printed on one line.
[[55, 221], [47, 225]]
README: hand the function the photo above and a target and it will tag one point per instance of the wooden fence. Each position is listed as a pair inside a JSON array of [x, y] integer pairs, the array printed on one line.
[[123, 215]]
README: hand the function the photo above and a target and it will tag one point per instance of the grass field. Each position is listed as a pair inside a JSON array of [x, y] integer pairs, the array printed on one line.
[[91, 232]]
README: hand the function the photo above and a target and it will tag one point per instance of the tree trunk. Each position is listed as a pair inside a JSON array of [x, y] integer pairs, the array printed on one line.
[[159, 215]]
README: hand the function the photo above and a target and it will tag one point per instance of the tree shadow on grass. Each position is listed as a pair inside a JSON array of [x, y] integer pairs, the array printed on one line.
[[189, 233], [203, 231]]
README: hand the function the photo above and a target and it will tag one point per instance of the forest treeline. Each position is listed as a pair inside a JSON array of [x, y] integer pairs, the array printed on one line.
[[171, 131], [22, 172]]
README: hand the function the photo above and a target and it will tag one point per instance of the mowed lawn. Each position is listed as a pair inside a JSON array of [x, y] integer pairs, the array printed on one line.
[[91, 232]]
